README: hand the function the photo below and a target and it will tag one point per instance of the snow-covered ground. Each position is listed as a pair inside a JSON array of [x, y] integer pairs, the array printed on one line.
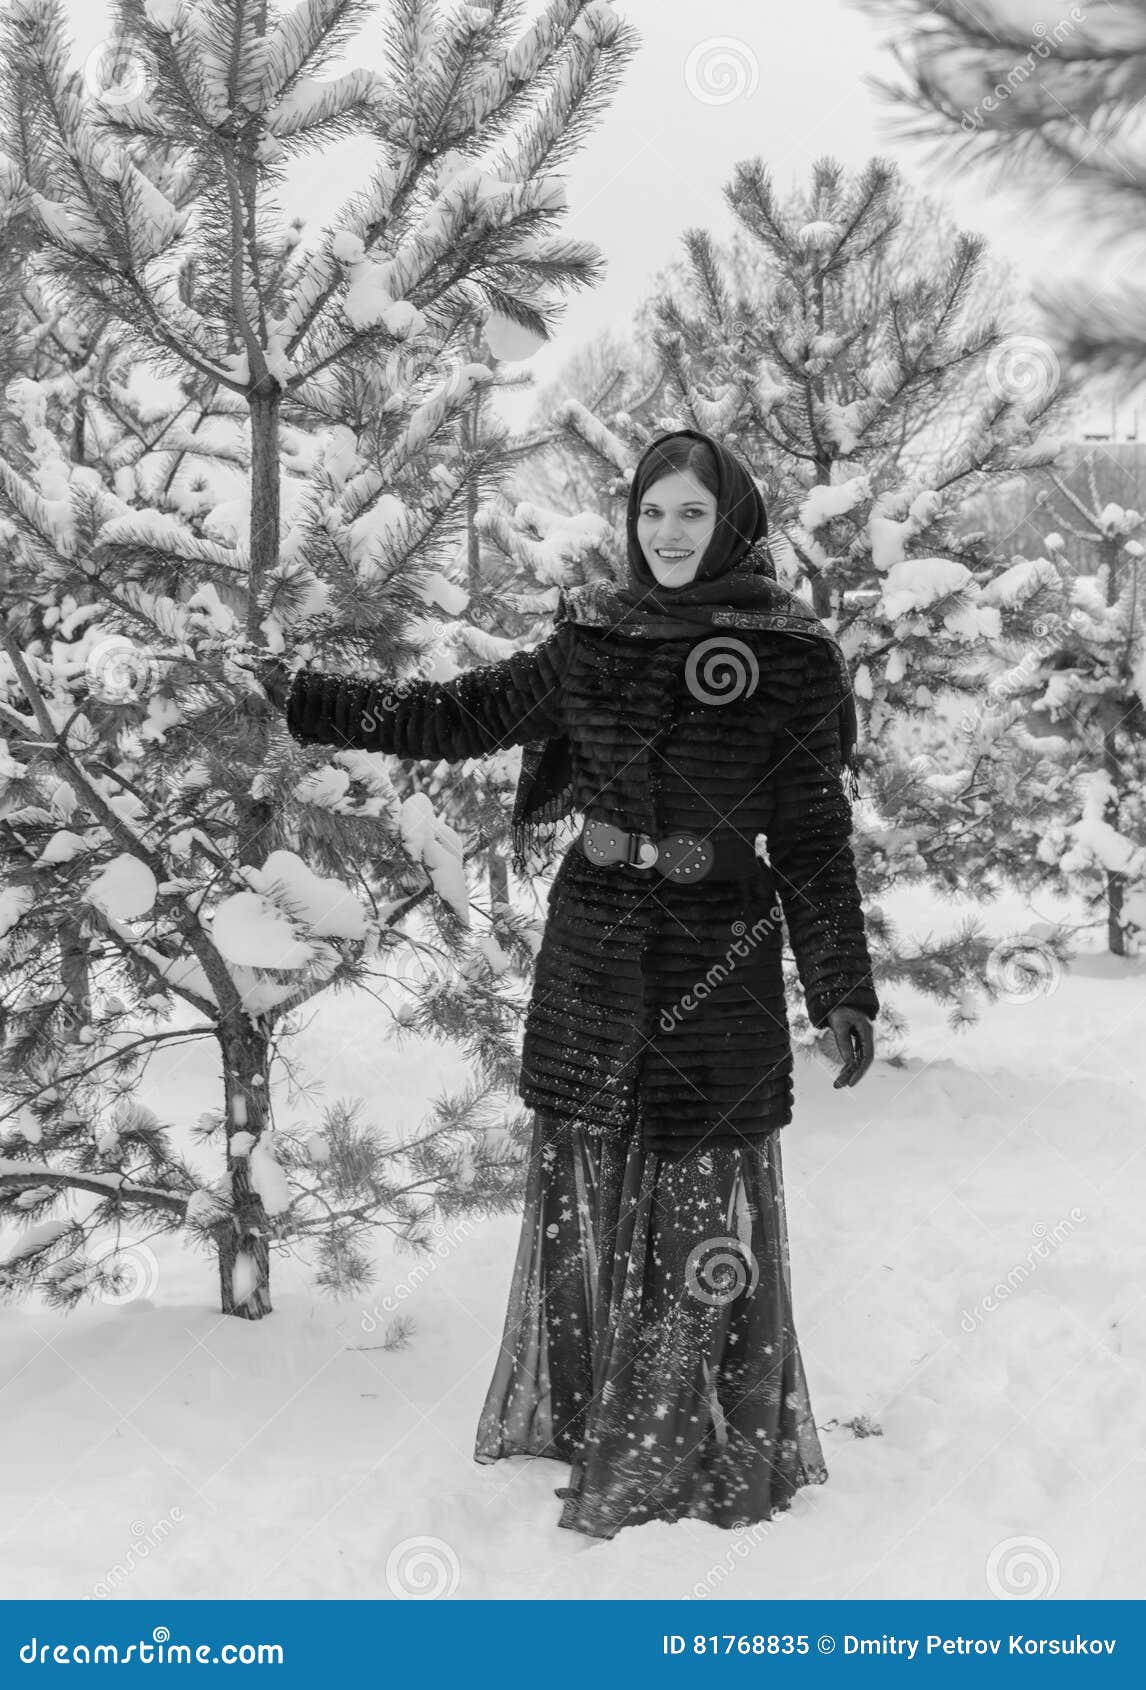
[[967, 1257]]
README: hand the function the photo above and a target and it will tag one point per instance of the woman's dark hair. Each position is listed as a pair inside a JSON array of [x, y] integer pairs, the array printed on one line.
[[695, 457]]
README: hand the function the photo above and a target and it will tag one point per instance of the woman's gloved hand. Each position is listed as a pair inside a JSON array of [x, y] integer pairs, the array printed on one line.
[[272, 673], [855, 1042]]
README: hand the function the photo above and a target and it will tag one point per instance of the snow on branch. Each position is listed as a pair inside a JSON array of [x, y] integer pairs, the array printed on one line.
[[19, 1176], [302, 41], [529, 56], [823, 503], [429, 417], [158, 531], [591, 431], [563, 541], [311, 106], [50, 519], [151, 222], [1020, 583]]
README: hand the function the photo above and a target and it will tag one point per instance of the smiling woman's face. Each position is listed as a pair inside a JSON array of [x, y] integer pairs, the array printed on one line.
[[677, 514]]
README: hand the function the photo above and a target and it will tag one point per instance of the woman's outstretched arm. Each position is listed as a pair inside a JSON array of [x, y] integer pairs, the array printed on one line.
[[809, 849], [478, 712]]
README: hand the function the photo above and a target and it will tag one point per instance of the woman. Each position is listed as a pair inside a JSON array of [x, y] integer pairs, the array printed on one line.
[[649, 1339]]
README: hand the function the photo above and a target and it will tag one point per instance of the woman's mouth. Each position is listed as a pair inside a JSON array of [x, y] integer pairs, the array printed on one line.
[[672, 556]]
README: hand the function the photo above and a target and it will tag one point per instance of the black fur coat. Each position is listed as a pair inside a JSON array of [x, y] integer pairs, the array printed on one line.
[[654, 999]]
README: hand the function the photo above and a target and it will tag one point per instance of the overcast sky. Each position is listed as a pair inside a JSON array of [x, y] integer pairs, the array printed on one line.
[[782, 82]]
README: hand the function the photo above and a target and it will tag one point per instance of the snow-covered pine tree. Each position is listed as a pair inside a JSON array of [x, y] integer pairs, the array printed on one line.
[[1077, 698], [223, 866], [1050, 108], [512, 576], [871, 398], [1042, 108], [86, 424]]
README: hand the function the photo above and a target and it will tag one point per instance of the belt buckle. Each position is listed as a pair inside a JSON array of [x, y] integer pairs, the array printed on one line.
[[639, 842], [684, 857]]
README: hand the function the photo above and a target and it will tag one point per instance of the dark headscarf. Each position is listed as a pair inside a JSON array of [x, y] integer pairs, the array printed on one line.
[[736, 574], [741, 524]]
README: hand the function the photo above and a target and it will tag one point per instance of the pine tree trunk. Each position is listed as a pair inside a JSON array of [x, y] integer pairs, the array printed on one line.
[[498, 877], [75, 974], [1115, 882], [263, 401], [244, 1247]]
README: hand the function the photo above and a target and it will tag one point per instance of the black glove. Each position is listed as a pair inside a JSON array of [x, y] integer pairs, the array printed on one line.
[[274, 676]]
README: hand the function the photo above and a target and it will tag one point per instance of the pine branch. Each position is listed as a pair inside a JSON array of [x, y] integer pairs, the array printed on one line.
[[20, 1176], [143, 1042]]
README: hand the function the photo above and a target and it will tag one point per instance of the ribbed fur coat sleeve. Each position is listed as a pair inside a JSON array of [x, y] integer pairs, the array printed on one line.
[[809, 849], [478, 712]]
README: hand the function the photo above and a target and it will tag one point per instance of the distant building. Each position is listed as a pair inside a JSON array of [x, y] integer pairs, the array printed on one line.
[[1116, 420]]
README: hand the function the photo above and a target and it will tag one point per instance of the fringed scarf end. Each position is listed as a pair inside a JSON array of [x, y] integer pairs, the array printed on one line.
[[533, 842], [522, 846]]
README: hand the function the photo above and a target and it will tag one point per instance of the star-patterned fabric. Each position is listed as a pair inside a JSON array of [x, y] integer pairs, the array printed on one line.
[[649, 1339]]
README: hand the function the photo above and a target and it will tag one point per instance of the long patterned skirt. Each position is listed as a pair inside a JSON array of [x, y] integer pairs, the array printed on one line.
[[649, 1338]]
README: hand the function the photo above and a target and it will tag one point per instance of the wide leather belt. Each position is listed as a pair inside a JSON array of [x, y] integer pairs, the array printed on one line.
[[678, 856]]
